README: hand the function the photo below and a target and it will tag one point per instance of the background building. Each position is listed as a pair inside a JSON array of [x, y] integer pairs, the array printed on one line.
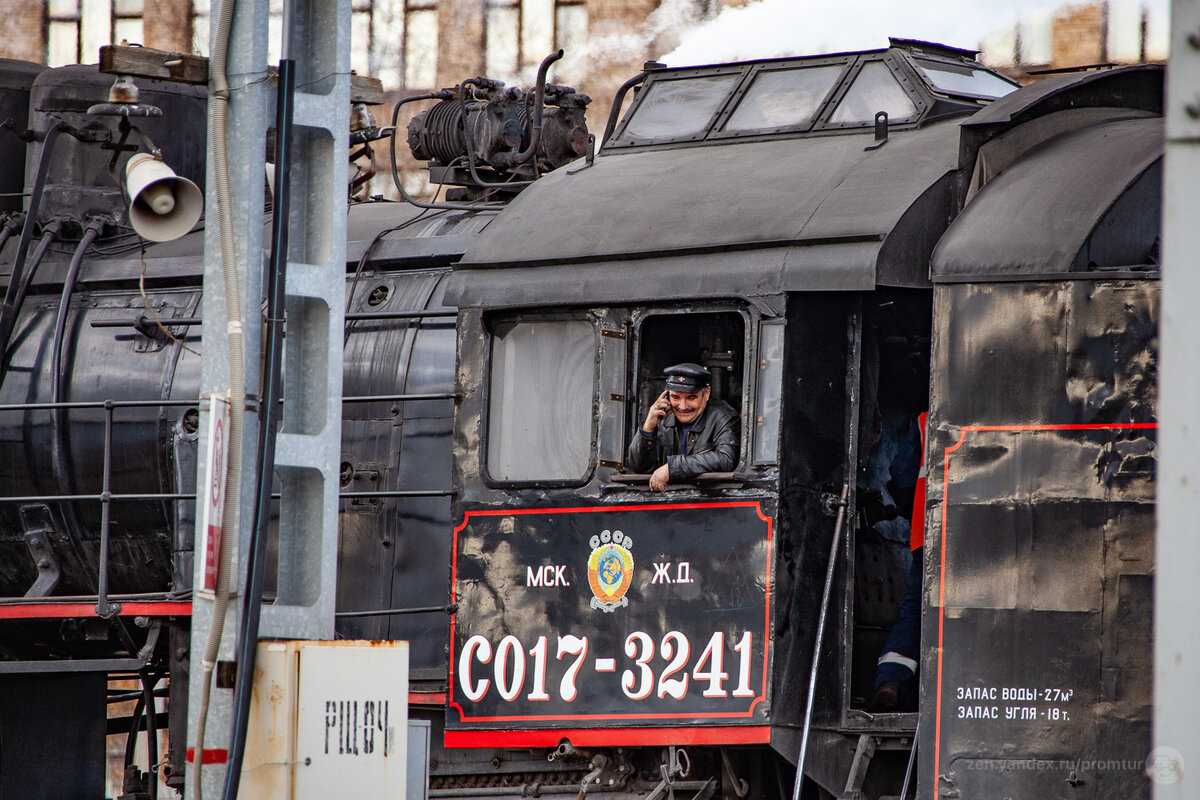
[[414, 46]]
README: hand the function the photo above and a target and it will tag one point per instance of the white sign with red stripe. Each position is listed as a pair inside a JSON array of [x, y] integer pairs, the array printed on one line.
[[212, 495]]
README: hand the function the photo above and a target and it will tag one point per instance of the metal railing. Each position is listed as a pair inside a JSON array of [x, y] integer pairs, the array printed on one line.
[[104, 606]]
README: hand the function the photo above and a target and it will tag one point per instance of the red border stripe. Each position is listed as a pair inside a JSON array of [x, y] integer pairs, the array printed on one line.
[[603, 737], [427, 698], [60, 610]]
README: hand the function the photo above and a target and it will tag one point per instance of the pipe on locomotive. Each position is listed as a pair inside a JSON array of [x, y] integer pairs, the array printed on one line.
[[509, 160], [464, 144], [231, 514], [486, 83], [14, 224], [14, 295], [58, 453], [90, 233], [614, 113]]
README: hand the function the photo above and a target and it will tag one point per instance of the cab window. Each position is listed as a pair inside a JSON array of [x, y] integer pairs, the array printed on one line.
[[783, 98], [716, 341], [875, 89], [540, 397], [678, 109], [958, 79]]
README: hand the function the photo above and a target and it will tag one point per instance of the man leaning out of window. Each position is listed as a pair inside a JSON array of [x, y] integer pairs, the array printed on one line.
[[685, 432]]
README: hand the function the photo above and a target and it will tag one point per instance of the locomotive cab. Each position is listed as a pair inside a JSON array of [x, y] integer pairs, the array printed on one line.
[[772, 221]]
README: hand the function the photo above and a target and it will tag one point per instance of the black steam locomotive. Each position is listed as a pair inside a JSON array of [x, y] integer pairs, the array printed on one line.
[[844, 242]]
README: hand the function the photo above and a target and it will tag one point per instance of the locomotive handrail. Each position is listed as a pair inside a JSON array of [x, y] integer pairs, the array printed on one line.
[[116, 498], [704, 478], [101, 404], [387, 612], [360, 315], [185, 322], [105, 607], [379, 398], [400, 493], [83, 599]]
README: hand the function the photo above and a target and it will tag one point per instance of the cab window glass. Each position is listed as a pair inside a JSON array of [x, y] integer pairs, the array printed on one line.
[[874, 90], [679, 108], [540, 400], [783, 98], [955, 79], [713, 340]]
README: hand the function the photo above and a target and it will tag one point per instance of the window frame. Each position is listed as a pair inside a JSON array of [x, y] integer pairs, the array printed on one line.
[[919, 92], [741, 70], [490, 321], [899, 71], [717, 134], [915, 63], [750, 320]]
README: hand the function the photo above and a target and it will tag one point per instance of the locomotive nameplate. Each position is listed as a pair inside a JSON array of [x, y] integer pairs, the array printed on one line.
[[650, 615]]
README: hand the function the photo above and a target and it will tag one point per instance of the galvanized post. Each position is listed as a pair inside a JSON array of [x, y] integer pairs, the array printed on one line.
[[308, 446], [1174, 762], [308, 449]]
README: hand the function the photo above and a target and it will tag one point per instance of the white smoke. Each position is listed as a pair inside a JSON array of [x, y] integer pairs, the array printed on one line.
[[667, 21], [781, 28]]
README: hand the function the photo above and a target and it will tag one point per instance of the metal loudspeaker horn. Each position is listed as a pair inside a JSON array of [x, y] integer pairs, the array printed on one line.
[[162, 205]]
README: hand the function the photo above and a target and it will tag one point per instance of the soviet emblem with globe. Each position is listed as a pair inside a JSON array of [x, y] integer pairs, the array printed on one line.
[[610, 569]]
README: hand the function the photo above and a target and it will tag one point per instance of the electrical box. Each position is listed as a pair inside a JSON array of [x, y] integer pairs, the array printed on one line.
[[328, 719]]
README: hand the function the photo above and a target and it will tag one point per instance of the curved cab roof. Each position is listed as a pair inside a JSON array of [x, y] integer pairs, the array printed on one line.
[[810, 205], [1073, 185]]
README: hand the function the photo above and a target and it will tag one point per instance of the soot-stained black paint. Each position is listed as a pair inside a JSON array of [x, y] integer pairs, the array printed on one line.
[[1038, 580]]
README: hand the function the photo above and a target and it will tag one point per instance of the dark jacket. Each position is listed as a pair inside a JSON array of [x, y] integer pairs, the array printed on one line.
[[712, 445]]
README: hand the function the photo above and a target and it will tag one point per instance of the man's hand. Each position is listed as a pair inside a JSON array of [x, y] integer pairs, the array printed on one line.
[[659, 478], [658, 412]]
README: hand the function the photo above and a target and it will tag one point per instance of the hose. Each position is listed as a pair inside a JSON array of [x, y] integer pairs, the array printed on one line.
[[15, 294], [237, 373], [49, 235], [58, 455]]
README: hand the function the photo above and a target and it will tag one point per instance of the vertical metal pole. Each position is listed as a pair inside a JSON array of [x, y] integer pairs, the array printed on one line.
[[853, 412], [103, 607], [248, 118], [1174, 763], [830, 571], [308, 446]]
